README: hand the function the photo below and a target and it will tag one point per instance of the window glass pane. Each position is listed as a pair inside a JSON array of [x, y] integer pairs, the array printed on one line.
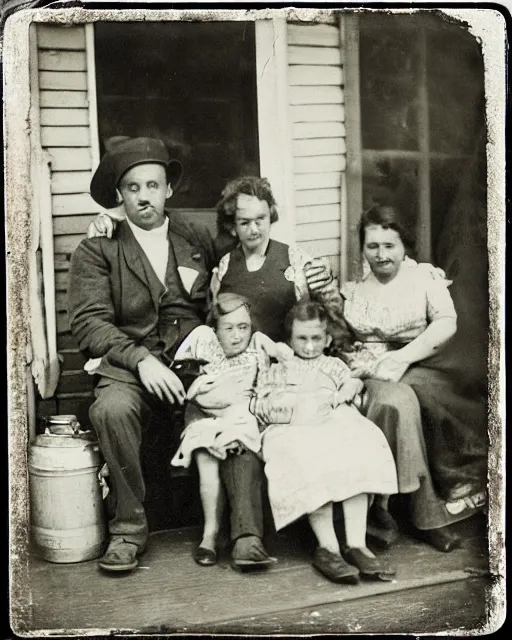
[[389, 71], [392, 181], [455, 88], [191, 84]]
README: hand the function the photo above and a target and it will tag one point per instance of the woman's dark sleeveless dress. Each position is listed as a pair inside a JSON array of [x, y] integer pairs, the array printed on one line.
[[271, 295]]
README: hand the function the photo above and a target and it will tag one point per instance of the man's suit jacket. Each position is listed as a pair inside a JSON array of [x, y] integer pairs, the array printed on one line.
[[113, 298]]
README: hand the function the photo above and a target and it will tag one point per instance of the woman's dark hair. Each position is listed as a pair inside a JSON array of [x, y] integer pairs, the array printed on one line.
[[303, 311], [226, 303], [250, 186], [388, 218]]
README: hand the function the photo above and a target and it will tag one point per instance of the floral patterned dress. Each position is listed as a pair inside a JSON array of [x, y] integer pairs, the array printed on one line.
[[317, 451], [219, 417], [387, 316]]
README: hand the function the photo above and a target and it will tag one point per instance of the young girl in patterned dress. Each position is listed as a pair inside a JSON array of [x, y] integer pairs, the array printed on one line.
[[318, 449], [217, 418]]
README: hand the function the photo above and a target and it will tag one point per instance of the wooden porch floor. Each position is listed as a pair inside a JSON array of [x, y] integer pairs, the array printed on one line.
[[169, 593]]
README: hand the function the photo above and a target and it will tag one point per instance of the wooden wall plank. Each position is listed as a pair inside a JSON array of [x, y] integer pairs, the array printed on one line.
[[61, 281], [71, 204], [314, 35], [310, 197], [317, 113], [71, 225], [65, 137], [64, 117], [326, 129], [70, 181], [72, 80], [317, 180], [60, 37], [62, 322], [68, 243], [311, 75], [318, 213], [63, 99], [318, 95], [318, 147], [319, 248], [55, 60], [66, 159], [319, 164], [318, 231], [314, 55]]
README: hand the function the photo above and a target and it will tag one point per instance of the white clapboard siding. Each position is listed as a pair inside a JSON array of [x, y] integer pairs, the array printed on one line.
[[55, 60], [319, 248], [57, 36], [70, 181], [316, 95], [64, 117], [65, 80], [318, 147], [314, 55], [65, 137], [72, 225], [67, 244], [318, 213], [73, 204], [326, 129], [319, 164], [69, 159], [323, 231], [311, 197], [312, 75], [316, 180], [63, 99], [318, 112], [313, 35]]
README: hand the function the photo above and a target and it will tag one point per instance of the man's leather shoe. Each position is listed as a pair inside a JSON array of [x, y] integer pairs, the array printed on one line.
[[334, 567], [205, 557], [249, 552], [120, 556]]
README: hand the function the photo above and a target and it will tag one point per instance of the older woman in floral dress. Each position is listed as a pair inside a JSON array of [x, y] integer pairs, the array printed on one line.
[[402, 315]]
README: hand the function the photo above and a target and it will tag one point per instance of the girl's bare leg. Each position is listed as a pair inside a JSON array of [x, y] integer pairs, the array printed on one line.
[[321, 522], [212, 497]]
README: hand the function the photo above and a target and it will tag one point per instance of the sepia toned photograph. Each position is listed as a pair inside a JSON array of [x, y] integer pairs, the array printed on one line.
[[255, 301]]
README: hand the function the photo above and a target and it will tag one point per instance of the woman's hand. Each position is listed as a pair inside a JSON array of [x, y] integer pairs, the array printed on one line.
[[318, 273], [102, 226], [349, 390], [391, 367]]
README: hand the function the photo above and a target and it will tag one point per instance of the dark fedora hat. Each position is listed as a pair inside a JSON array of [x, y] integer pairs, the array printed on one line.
[[124, 153]]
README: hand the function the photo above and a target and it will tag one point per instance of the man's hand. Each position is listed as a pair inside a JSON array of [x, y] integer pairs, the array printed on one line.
[[318, 274], [390, 367], [160, 381], [349, 390]]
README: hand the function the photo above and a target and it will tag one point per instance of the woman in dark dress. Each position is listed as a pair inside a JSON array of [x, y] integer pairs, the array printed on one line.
[[272, 275]]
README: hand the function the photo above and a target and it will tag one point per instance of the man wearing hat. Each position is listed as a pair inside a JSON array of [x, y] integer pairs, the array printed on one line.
[[132, 300]]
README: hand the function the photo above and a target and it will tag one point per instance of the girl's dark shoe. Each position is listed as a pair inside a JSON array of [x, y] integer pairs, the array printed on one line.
[[205, 557], [334, 567], [369, 567], [441, 539]]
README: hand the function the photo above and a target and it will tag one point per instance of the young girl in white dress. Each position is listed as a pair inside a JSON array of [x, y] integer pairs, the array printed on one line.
[[318, 449]]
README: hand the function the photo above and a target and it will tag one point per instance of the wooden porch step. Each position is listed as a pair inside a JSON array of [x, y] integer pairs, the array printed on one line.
[[169, 593]]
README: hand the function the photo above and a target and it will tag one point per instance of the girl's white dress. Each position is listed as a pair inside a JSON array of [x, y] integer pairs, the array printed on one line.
[[314, 451], [217, 413]]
